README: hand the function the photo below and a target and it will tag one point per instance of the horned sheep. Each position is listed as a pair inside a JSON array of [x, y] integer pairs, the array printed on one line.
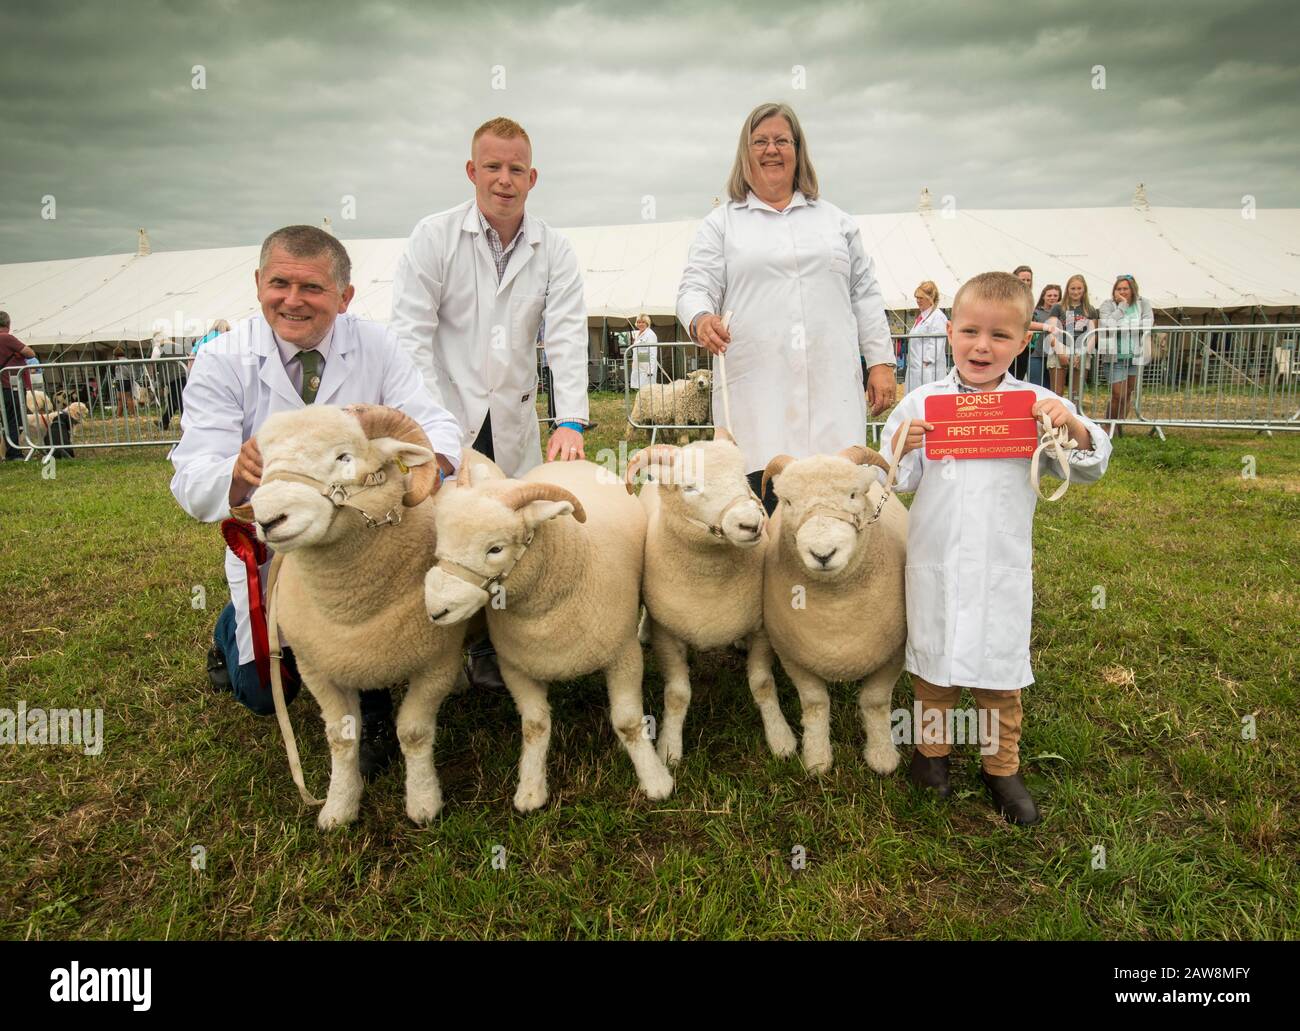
[[556, 558], [357, 536]]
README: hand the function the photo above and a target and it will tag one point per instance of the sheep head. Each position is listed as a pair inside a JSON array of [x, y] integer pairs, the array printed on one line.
[[482, 531], [826, 501], [701, 380], [336, 446], [706, 482]]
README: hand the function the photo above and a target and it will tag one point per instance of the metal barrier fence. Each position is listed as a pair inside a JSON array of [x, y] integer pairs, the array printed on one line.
[[127, 402], [1231, 377]]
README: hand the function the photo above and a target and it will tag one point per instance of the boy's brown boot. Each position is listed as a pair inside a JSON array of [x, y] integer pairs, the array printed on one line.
[[1012, 798], [931, 773]]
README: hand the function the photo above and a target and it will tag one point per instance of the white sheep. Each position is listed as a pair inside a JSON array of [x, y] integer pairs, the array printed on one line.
[[833, 601], [356, 540], [683, 402], [556, 557], [703, 581]]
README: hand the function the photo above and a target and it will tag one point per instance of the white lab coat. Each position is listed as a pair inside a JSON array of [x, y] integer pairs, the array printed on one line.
[[806, 304], [644, 363], [474, 339], [927, 350], [969, 574], [239, 379]]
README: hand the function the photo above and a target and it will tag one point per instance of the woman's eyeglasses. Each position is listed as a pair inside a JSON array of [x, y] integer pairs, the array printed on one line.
[[761, 143]]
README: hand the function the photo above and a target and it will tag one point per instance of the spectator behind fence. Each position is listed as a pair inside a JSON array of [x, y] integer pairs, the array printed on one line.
[[1020, 367], [1045, 341], [792, 268], [927, 341], [169, 377], [123, 383], [13, 355], [1076, 318], [644, 349], [1125, 345]]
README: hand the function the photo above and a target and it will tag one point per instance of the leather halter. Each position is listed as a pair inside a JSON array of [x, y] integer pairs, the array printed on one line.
[[341, 494], [715, 528], [475, 578]]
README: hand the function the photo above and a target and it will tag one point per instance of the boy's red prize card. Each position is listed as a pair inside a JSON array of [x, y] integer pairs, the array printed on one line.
[[982, 424]]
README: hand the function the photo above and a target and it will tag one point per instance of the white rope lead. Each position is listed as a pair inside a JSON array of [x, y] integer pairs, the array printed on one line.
[[1060, 441], [722, 380]]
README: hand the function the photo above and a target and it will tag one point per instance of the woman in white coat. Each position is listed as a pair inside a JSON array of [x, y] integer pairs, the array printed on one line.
[[643, 354], [805, 301], [927, 340]]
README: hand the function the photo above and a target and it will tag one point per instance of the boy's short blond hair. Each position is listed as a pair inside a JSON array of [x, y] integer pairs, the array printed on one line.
[[505, 128], [999, 288]]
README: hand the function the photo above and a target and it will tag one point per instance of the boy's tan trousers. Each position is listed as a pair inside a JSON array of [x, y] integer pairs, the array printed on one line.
[[1005, 705]]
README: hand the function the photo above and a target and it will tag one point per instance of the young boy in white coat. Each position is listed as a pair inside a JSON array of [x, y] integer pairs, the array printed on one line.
[[969, 551]]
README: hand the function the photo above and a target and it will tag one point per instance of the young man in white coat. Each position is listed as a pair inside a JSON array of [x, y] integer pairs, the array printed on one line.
[[303, 349], [969, 545], [470, 293]]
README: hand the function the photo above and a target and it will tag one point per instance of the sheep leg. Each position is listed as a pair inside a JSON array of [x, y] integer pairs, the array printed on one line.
[[627, 713], [671, 654], [762, 685], [815, 703], [535, 715], [340, 708], [417, 726], [873, 703]]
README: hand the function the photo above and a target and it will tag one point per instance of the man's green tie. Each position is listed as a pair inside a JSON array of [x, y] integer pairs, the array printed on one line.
[[311, 363]]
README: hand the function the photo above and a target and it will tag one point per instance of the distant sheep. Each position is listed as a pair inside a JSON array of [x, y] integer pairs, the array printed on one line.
[[683, 402]]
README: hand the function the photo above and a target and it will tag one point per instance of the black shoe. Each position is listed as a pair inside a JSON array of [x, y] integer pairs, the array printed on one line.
[[484, 673], [218, 674], [379, 745], [1012, 798], [931, 773]]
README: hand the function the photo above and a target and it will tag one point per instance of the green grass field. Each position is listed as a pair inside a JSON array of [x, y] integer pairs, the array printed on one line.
[[1134, 744]]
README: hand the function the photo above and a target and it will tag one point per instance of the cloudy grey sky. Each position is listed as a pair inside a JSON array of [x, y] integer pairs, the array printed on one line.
[[991, 101]]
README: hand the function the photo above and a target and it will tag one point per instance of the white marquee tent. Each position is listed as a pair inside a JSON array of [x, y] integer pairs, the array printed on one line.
[[1186, 260]]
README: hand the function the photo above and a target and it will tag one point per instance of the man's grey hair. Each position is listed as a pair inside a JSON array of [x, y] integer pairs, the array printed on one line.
[[4, 320], [310, 242]]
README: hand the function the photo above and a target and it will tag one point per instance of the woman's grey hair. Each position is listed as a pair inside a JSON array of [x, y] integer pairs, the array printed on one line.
[[310, 242], [805, 177]]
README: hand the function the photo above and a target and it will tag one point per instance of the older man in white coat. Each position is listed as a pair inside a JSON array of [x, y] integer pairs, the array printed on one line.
[[302, 349], [471, 291]]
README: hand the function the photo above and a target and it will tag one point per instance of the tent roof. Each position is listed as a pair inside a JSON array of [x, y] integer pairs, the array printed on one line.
[[1196, 259]]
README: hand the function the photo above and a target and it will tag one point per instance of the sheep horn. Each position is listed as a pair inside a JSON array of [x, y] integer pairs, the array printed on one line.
[[774, 468], [859, 455], [382, 421], [647, 456], [526, 493]]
